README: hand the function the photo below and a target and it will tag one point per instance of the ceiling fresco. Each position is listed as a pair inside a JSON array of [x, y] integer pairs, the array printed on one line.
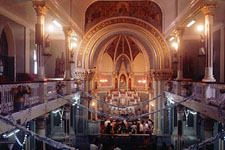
[[145, 10]]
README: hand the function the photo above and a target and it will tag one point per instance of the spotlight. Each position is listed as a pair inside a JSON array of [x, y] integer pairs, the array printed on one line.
[[73, 45], [50, 28], [175, 45], [191, 23], [93, 104], [200, 28]]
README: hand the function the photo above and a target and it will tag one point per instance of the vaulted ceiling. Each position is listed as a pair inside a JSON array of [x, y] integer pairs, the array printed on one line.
[[72, 12]]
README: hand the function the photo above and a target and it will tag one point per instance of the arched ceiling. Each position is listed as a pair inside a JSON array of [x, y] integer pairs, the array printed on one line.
[[122, 45], [148, 11]]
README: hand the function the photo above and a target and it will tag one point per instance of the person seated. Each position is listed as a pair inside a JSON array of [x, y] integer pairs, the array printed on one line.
[[109, 129], [133, 128], [93, 145]]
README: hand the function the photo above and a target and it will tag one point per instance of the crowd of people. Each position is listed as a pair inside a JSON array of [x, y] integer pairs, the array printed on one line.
[[125, 127]]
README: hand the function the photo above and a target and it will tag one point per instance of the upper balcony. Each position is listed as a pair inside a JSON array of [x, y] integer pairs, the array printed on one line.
[[208, 98], [43, 99]]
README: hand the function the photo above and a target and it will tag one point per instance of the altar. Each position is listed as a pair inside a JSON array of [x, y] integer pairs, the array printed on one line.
[[126, 98]]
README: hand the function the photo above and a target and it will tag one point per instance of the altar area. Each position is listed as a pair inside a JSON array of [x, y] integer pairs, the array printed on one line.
[[124, 100]]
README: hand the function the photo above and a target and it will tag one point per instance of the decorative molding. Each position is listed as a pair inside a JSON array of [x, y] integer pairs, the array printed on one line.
[[121, 20], [85, 74], [162, 74], [67, 31], [208, 9], [40, 8]]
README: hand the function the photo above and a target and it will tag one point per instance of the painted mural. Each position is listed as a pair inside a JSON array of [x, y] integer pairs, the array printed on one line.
[[145, 10]]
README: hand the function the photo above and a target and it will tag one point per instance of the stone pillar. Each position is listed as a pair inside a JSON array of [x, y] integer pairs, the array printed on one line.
[[179, 33], [154, 82], [208, 10], [41, 130], [180, 113], [67, 32], [40, 8], [67, 119], [221, 141], [159, 130]]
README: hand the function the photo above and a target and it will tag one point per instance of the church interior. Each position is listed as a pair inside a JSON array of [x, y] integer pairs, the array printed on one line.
[[112, 74]]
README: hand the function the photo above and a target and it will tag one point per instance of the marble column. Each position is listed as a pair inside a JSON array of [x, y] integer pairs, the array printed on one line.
[[41, 130], [40, 9], [159, 129], [179, 34], [67, 32], [180, 113], [155, 85], [208, 10], [67, 119]]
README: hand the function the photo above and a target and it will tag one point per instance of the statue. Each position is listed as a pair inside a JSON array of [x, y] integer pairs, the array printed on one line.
[[60, 66], [202, 49], [123, 83]]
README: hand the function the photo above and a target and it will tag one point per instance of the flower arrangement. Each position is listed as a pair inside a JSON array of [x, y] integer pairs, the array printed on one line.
[[19, 93], [59, 87]]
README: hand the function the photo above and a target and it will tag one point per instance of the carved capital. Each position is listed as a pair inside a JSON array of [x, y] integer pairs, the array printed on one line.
[[208, 9], [179, 32], [40, 8], [67, 31]]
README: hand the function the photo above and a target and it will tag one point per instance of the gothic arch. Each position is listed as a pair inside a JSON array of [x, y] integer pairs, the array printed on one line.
[[10, 40], [149, 35]]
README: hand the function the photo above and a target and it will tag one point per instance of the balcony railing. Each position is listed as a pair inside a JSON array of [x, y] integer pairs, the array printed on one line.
[[40, 93], [208, 93]]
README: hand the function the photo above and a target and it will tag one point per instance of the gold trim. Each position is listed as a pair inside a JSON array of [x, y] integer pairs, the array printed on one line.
[[114, 21]]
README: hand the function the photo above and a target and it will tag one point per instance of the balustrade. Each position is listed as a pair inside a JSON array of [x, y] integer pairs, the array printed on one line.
[[7, 96], [208, 93]]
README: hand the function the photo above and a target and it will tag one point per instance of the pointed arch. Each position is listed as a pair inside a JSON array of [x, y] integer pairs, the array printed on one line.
[[10, 40]]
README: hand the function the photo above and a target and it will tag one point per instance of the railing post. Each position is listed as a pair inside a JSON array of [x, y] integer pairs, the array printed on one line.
[[43, 92]]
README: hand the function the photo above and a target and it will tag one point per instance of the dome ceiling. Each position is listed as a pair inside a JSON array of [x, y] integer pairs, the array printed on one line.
[[123, 45]]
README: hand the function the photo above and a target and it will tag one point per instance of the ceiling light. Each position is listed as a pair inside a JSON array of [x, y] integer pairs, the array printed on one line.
[[175, 45], [74, 38], [50, 28], [93, 104], [200, 28], [57, 23], [191, 23], [73, 45], [171, 38]]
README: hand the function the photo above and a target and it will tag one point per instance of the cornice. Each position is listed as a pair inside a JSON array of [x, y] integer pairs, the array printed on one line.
[[190, 10], [7, 13], [58, 11]]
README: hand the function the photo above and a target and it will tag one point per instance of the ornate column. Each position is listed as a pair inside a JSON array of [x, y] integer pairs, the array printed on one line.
[[208, 10], [67, 119], [179, 34], [67, 32], [180, 112], [154, 82], [40, 9], [159, 131], [40, 129], [159, 77]]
